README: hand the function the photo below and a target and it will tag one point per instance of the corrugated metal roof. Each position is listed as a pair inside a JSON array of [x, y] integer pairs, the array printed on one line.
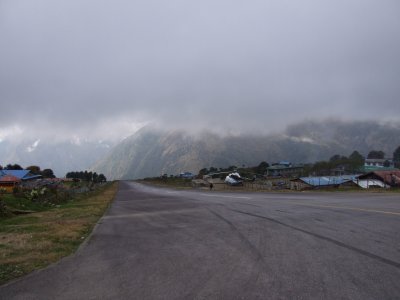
[[366, 183], [386, 173], [21, 174], [17, 173], [390, 177], [328, 180]]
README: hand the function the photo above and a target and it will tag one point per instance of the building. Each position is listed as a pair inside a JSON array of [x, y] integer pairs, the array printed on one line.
[[20, 174], [304, 183], [390, 178], [379, 163], [8, 182], [285, 169], [370, 183], [373, 164], [187, 175], [11, 178]]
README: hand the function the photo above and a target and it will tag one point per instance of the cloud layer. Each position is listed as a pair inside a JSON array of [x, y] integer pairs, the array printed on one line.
[[85, 67]]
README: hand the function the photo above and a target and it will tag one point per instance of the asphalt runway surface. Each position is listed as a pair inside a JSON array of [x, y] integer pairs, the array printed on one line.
[[157, 243]]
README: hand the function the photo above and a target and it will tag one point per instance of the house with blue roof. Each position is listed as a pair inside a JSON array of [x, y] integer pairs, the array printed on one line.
[[187, 175], [12, 178], [22, 175]]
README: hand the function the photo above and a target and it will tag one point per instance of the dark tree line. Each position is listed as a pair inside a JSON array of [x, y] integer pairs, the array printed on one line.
[[374, 154], [46, 173], [86, 176], [351, 164], [11, 167]]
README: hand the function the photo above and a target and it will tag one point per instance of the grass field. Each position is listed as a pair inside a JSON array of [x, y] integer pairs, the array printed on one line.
[[33, 241]]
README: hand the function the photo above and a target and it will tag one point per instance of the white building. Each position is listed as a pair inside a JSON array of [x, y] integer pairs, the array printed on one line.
[[379, 163]]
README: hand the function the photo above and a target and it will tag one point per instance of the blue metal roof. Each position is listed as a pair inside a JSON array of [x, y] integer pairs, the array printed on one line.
[[328, 180], [21, 174]]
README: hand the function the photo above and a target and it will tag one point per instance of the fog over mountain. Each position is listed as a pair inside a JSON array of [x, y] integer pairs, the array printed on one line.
[[61, 157], [152, 152], [96, 71]]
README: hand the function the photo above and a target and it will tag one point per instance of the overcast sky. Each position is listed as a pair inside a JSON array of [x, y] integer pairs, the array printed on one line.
[[104, 68]]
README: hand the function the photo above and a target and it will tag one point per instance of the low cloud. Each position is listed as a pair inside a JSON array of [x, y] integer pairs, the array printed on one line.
[[99, 69]]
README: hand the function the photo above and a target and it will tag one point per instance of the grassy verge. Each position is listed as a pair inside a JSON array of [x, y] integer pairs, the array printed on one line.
[[20, 203], [33, 241]]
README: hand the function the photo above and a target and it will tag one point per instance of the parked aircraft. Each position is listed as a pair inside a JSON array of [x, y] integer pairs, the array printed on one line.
[[234, 179]]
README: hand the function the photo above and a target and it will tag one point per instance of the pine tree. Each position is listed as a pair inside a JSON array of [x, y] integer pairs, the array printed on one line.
[[396, 157]]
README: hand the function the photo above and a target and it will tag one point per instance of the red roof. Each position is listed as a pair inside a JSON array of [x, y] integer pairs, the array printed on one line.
[[9, 178], [389, 177]]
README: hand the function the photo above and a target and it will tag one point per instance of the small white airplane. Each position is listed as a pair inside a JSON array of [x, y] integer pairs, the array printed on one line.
[[234, 179]]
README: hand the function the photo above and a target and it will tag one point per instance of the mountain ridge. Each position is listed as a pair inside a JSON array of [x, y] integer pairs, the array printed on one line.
[[152, 152]]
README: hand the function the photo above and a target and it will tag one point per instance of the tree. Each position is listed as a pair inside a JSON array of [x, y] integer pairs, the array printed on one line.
[[261, 168], [356, 161], [86, 176], [356, 156], [102, 178], [95, 177], [386, 164], [321, 168], [203, 172], [335, 158], [213, 170], [374, 154], [48, 173], [13, 167], [396, 157], [34, 169]]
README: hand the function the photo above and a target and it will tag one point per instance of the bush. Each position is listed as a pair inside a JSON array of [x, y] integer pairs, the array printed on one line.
[[3, 208]]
